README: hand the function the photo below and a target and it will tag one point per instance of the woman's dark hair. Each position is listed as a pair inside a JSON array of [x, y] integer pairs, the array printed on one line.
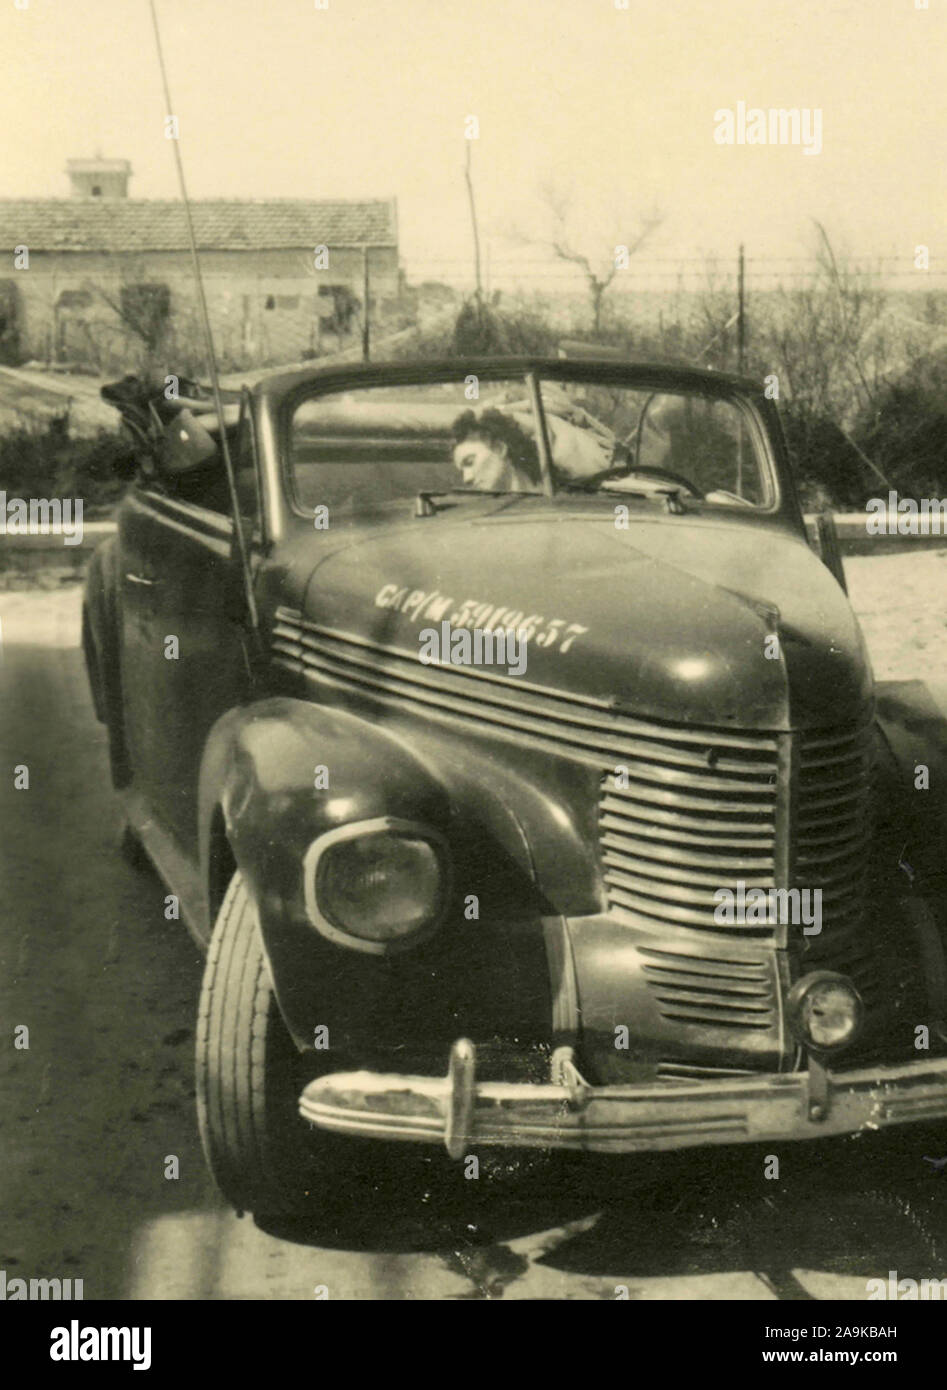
[[494, 428]]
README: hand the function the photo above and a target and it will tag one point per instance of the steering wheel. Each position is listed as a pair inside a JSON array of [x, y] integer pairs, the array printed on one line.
[[677, 478]]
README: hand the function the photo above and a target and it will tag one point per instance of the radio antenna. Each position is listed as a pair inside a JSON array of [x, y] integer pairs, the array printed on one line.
[[208, 340]]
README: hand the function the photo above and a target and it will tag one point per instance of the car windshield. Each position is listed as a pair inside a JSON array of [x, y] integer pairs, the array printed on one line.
[[617, 438], [361, 448]]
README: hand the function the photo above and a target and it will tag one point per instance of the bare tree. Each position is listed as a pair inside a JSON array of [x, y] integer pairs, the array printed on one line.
[[600, 246], [715, 318], [141, 306], [857, 307], [829, 344]]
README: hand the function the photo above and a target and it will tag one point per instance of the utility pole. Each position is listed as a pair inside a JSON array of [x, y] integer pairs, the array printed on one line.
[[473, 222], [741, 313], [366, 329], [741, 355]]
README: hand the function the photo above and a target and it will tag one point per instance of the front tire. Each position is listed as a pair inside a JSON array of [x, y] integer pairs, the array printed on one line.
[[257, 1147]]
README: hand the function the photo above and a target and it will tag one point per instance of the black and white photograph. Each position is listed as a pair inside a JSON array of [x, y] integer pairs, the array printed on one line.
[[473, 662]]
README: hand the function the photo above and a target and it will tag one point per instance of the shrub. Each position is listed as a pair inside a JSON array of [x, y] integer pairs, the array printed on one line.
[[906, 434], [45, 462]]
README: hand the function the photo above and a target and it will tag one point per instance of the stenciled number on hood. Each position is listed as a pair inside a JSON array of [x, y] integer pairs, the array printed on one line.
[[433, 606]]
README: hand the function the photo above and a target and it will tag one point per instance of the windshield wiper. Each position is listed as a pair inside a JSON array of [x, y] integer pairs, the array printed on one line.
[[672, 493], [424, 504]]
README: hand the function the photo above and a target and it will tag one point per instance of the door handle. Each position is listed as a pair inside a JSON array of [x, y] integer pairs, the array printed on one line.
[[140, 579]]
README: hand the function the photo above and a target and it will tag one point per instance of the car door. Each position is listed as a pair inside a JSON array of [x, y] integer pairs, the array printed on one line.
[[136, 524], [195, 661]]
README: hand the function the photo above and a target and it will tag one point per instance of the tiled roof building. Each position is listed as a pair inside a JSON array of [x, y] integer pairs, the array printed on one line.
[[132, 226], [80, 270]]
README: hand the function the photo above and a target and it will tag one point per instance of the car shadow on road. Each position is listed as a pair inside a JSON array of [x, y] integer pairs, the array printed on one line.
[[854, 1208]]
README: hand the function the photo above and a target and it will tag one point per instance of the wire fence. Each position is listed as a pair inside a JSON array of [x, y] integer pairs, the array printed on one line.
[[262, 321], [662, 272]]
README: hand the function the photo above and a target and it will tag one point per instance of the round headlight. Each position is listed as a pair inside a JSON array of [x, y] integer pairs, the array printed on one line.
[[824, 1010], [376, 885]]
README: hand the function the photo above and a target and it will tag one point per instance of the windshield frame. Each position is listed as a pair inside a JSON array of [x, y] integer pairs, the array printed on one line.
[[533, 372]]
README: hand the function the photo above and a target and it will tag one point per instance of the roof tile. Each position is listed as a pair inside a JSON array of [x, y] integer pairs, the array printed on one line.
[[119, 224]]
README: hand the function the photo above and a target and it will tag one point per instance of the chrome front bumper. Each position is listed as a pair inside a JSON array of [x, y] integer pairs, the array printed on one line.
[[568, 1113]]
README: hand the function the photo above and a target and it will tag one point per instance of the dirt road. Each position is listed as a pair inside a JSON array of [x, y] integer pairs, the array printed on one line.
[[92, 1111]]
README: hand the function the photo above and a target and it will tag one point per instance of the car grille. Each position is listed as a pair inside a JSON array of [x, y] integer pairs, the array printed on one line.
[[833, 826], [682, 811], [832, 822], [718, 991], [671, 836], [669, 845]]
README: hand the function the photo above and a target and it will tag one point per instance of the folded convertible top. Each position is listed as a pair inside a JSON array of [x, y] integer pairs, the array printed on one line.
[[143, 405]]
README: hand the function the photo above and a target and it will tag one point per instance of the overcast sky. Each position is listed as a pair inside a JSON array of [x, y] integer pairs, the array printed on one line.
[[277, 98]]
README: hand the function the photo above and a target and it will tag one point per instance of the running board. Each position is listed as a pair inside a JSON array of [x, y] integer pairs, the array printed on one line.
[[171, 864]]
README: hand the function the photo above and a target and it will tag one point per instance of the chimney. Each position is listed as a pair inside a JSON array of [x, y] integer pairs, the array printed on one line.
[[99, 178]]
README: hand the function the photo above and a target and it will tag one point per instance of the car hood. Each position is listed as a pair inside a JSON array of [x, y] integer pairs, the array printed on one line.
[[671, 618]]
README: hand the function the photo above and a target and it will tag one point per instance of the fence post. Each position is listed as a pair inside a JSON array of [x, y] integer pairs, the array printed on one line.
[[366, 331], [741, 314]]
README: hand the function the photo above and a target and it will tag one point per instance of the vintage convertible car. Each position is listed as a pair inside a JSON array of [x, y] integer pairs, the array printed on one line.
[[672, 876]]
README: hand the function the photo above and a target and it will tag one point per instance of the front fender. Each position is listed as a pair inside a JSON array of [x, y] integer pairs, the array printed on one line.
[[481, 975], [260, 765], [259, 771]]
